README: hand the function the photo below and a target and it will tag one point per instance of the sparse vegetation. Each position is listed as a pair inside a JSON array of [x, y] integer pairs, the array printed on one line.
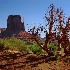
[[20, 45], [53, 47], [13, 44]]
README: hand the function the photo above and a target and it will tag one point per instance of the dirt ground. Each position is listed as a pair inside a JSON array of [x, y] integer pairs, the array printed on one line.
[[14, 60]]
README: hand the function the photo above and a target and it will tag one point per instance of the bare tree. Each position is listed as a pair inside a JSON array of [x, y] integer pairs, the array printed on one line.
[[57, 28]]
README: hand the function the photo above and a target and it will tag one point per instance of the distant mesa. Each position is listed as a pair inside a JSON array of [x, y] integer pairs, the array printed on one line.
[[14, 23], [14, 27]]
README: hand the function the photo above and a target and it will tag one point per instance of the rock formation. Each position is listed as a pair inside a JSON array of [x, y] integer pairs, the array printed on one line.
[[14, 26], [14, 23]]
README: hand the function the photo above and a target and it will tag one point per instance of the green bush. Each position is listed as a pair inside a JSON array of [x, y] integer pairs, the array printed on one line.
[[1, 46], [35, 50], [53, 47], [57, 57], [13, 43], [32, 46], [17, 44]]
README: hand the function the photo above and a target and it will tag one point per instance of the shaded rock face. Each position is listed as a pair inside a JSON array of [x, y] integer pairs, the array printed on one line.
[[14, 23], [14, 26]]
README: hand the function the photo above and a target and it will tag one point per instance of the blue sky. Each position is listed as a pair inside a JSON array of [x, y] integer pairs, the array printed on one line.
[[33, 11]]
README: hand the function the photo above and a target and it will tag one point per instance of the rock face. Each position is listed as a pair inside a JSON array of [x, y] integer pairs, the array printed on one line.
[[14, 23], [14, 26], [24, 35]]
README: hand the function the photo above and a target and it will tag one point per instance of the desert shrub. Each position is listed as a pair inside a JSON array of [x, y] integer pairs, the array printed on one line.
[[53, 47], [13, 43], [35, 50], [17, 44], [57, 57], [32, 46], [29, 48], [1, 46], [42, 52]]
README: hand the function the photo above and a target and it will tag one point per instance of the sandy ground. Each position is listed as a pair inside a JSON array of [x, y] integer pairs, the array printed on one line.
[[14, 60]]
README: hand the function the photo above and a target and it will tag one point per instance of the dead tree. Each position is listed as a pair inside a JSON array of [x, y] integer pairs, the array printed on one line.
[[56, 27]]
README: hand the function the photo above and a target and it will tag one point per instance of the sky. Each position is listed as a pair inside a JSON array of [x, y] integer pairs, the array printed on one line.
[[33, 11]]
